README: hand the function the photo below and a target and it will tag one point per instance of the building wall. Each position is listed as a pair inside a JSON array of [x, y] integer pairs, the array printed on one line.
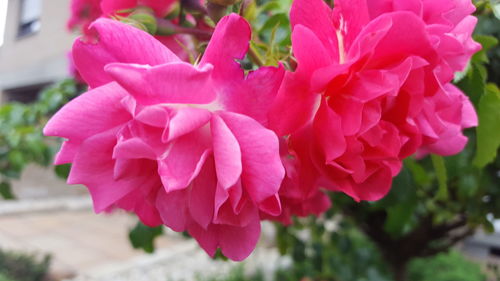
[[40, 57]]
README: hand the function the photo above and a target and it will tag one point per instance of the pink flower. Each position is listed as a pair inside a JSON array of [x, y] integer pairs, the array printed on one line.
[[300, 192], [364, 76], [176, 144], [449, 25], [442, 120], [83, 13], [160, 7]]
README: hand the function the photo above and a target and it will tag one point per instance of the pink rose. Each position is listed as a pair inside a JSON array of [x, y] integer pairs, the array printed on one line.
[[442, 120], [300, 191], [364, 76], [83, 13], [176, 144], [449, 25], [160, 7]]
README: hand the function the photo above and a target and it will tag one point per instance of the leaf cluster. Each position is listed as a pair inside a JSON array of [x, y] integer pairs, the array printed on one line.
[[21, 138], [23, 267]]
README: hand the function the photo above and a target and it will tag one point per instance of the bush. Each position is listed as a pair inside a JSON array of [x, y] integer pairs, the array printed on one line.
[[4, 278], [23, 267], [445, 267]]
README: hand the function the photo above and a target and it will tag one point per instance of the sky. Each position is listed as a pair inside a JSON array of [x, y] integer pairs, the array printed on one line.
[[3, 17]]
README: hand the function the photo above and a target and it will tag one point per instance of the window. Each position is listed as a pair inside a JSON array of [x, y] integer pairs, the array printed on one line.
[[26, 94], [29, 21]]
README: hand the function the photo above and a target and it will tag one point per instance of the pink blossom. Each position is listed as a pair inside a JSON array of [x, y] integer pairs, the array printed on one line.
[[180, 145], [300, 191], [442, 120], [364, 75], [83, 13], [449, 25], [160, 7]]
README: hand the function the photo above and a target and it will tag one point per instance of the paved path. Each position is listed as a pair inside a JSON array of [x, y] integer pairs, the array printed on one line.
[[79, 241], [90, 247]]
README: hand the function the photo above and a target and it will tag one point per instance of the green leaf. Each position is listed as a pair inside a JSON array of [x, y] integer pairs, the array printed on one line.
[[488, 131], [6, 191], [148, 20], [62, 171], [487, 42], [250, 13], [400, 204], [442, 176], [420, 175], [142, 237]]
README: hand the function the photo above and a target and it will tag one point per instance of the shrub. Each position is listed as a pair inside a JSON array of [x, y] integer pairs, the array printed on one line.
[[16, 266], [450, 266]]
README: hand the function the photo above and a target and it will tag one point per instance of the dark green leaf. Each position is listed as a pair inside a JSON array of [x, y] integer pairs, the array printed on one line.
[[488, 131], [142, 237], [442, 176], [6, 191]]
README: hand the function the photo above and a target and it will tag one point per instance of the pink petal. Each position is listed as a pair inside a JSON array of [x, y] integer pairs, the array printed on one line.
[[117, 42], [237, 243], [351, 16], [185, 120], [133, 148], [177, 82], [183, 161], [229, 43], [89, 113], [328, 131], [304, 40], [316, 16], [67, 152], [202, 194], [227, 153], [375, 187], [207, 238], [294, 105], [252, 96], [110, 7], [262, 167], [93, 167], [406, 36], [157, 116], [271, 205], [172, 207]]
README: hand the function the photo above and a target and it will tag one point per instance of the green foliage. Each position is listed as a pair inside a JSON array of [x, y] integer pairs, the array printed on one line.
[[488, 133], [450, 266], [433, 203], [142, 237], [346, 254], [22, 267], [337, 253], [4, 278], [21, 138]]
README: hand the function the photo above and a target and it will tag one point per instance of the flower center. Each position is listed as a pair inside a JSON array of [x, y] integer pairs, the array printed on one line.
[[340, 40]]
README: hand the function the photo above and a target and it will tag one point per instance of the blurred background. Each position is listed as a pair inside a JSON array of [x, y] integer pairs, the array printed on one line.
[[437, 224]]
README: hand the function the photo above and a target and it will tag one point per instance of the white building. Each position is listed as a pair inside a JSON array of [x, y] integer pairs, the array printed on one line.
[[34, 53]]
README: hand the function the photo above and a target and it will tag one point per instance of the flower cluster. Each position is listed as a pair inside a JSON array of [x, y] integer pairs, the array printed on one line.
[[212, 150], [376, 89]]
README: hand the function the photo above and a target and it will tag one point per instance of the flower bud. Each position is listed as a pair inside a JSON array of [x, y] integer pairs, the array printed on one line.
[[147, 20], [194, 5]]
